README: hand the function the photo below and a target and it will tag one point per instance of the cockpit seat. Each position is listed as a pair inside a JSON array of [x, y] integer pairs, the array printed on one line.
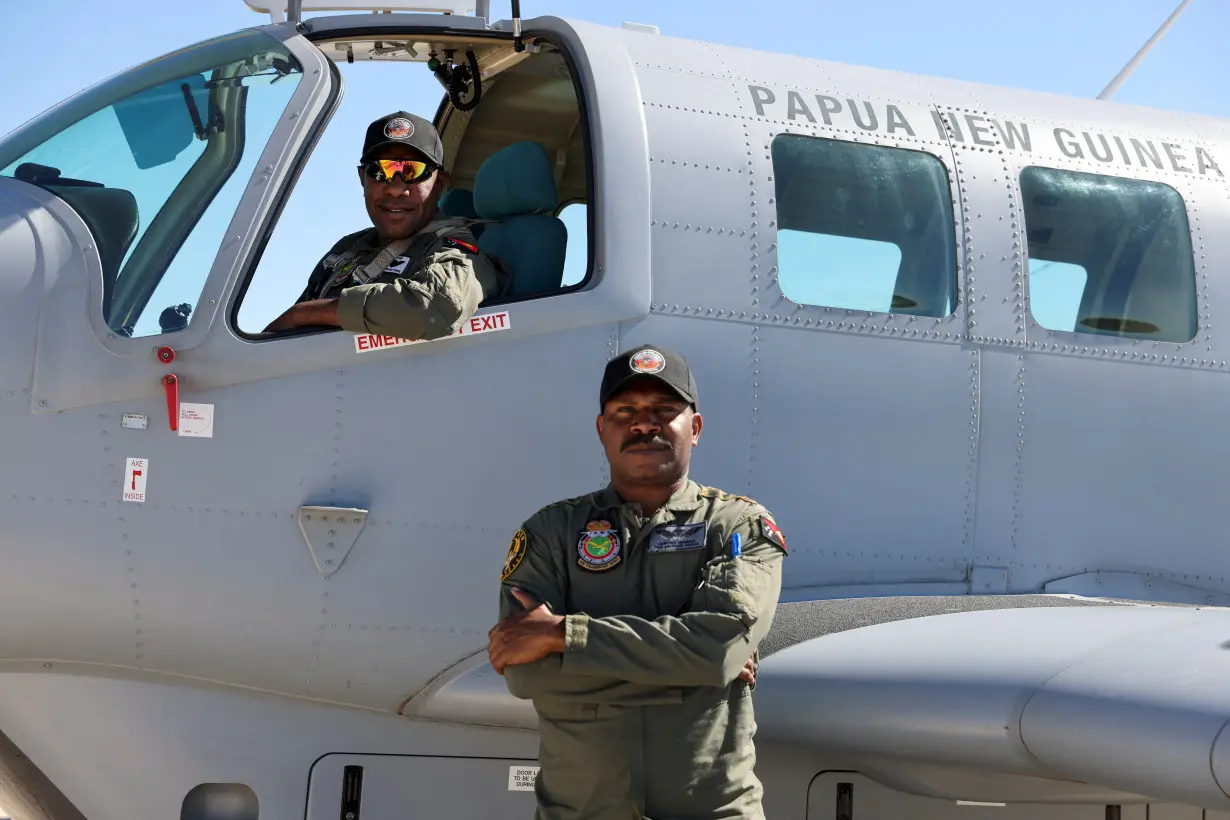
[[514, 190], [111, 216]]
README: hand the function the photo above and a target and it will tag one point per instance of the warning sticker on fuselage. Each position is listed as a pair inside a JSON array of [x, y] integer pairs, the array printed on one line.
[[521, 778], [484, 323], [136, 472]]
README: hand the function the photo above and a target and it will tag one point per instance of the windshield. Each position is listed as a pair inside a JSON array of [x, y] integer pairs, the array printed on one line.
[[155, 160]]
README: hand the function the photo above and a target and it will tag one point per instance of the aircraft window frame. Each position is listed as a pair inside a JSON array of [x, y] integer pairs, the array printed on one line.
[[933, 260], [444, 110], [589, 242], [186, 201], [1129, 195]]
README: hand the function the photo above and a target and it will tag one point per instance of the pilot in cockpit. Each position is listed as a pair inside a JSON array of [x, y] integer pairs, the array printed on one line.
[[414, 274]]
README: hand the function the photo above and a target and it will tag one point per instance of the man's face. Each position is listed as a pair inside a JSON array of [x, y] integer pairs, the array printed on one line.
[[399, 209], [648, 432]]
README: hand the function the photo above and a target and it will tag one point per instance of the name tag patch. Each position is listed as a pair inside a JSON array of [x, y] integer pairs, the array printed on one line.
[[677, 538], [399, 266]]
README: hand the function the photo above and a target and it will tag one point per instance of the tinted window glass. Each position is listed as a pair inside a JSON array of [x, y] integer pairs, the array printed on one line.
[[155, 162], [863, 227], [1108, 255]]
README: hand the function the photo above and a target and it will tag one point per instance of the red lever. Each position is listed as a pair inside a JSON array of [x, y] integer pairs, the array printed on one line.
[[171, 383]]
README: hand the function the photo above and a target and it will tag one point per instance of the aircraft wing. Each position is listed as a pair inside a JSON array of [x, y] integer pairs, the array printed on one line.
[[1116, 695]]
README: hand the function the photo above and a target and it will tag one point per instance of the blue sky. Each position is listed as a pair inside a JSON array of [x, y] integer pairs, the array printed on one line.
[[1062, 46]]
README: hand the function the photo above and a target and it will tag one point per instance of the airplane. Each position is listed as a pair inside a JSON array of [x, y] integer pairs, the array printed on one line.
[[969, 344]]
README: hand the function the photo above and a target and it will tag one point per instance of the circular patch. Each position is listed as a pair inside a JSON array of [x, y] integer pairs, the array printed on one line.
[[598, 548], [516, 552], [648, 361], [399, 128]]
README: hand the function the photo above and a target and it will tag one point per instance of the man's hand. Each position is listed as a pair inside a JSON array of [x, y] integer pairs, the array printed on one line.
[[525, 637], [748, 673], [321, 312]]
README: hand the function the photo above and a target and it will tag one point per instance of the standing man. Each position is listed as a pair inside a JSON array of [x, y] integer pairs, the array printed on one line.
[[411, 275], [628, 616]]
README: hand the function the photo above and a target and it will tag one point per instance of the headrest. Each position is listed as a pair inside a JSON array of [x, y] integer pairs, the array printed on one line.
[[516, 180], [458, 202]]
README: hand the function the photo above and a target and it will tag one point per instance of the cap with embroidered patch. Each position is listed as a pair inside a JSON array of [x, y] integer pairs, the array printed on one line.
[[648, 361], [403, 128]]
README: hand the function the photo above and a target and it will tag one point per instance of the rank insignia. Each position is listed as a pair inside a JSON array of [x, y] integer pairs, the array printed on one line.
[[598, 549], [458, 243], [768, 527], [516, 552]]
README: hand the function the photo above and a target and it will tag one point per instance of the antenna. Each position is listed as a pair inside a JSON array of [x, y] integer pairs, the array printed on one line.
[[1122, 76]]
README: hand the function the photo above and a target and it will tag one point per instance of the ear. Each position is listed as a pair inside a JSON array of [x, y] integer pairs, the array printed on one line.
[[598, 426], [361, 176], [697, 424]]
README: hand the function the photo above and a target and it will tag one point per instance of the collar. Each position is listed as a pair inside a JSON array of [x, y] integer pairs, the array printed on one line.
[[686, 499]]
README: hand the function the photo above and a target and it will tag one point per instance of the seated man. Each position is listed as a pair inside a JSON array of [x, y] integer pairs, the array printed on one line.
[[412, 275]]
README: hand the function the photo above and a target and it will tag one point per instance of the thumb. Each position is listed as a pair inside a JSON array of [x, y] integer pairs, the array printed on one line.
[[525, 599]]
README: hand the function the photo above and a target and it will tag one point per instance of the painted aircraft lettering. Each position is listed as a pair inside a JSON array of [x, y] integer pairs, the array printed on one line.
[[991, 132]]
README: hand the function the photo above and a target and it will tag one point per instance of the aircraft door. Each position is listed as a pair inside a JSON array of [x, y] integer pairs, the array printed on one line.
[[846, 795], [853, 288], [356, 787], [156, 178]]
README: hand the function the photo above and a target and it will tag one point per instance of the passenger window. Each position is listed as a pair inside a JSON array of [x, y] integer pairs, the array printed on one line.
[[575, 216], [863, 227], [155, 161], [1108, 255]]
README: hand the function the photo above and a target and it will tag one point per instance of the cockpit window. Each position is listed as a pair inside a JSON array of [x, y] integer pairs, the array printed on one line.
[[154, 161]]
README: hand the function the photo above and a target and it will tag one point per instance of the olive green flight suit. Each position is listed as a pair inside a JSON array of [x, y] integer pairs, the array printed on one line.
[[425, 287], [643, 716]]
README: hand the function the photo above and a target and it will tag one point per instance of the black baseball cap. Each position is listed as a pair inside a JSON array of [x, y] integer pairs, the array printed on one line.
[[648, 361], [403, 128]]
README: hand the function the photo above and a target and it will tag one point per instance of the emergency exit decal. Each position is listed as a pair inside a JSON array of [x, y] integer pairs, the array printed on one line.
[[483, 323], [136, 472]]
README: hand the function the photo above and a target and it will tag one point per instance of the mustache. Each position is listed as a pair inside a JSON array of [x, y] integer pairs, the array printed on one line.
[[645, 438]]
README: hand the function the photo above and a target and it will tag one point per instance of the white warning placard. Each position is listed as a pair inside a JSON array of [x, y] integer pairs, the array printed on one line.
[[485, 323], [196, 420], [521, 778], [136, 472]]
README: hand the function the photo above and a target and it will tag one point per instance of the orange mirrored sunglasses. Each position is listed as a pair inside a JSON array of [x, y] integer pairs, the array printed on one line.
[[411, 170]]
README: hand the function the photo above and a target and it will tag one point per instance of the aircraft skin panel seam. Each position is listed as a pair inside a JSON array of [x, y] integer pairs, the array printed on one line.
[[848, 324], [971, 487], [814, 129]]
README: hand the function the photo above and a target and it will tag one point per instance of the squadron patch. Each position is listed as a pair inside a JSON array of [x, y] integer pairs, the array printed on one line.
[[516, 552], [769, 529], [648, 361], [458, 243], [399, 128], [598, 549]]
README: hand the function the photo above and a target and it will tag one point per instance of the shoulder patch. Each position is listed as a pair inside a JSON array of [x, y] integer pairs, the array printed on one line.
[[769, 529], [461, 243], [516, 552]]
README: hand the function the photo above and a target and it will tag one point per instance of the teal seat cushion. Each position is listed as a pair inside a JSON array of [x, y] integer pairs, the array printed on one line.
[[515, 190]]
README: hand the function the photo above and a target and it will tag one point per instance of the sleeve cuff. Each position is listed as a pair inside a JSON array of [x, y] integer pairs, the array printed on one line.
[[576, 634], [350, 303]]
